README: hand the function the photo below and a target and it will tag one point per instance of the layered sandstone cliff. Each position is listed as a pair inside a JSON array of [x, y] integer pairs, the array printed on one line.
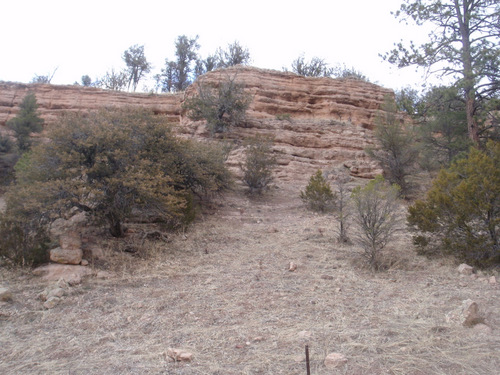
[[315, 122]]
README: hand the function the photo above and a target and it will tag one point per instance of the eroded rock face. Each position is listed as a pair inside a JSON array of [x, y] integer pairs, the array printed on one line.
[[316, 123]]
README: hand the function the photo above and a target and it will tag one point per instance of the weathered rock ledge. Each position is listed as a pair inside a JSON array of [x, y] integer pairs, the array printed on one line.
[[324, 122]]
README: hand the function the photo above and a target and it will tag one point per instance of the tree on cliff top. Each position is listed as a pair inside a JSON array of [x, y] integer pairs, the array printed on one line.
[[464, 46], [137, 65], [177, 75]]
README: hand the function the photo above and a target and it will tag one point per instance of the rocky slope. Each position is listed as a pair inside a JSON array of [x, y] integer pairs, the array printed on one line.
[[315, 122]]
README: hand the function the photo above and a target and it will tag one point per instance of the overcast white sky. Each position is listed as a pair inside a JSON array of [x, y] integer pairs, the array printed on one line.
[[89, 37]]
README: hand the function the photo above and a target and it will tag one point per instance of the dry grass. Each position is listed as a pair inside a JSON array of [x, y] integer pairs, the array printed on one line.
[[224, 292]]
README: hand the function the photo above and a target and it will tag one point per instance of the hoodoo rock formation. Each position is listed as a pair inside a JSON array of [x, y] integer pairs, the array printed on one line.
[[315, 122]]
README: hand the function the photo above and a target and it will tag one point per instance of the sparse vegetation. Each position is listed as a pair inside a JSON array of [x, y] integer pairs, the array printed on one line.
[[27, 121], [343, 206], [259, 164], [222, 107], [376, 216], [461, 213], [398, 152], [318, 195]]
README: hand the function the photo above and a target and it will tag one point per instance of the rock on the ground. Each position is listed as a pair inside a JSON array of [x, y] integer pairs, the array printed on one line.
[[5, 294], [482, 329], [71, 274], [51, 302], [492, 280], [466, 315], [292, 267], [66, 256], [61, 226], [179, 355], [465, 269], [70, 240], [334, 360]]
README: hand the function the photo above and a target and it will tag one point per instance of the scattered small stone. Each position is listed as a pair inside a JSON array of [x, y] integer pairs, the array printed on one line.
[[327, 277], [466, 315], [5, 295], [465, 269], [334, 360], [304, 334], [492, 280], [56, 292], [104, 274], [258, 339], [51, 302], [338, 290], [482, 329], [179, 355], [292, 267], [84, 262]]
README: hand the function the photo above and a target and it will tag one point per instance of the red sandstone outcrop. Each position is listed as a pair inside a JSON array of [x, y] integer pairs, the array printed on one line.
[[53, 100], [315, 122]]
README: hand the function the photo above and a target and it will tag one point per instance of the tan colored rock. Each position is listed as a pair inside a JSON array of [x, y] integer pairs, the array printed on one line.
[[334, 360], [51, 302], [5, 294], [179, 355], [465, 269], [292, 267], [60, 226], [70, 240], [466, 315], [66, 256], [73, 275], [482, 329], [492, 280]]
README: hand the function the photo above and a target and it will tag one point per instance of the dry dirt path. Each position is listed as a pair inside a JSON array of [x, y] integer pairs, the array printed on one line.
[[224, 292]]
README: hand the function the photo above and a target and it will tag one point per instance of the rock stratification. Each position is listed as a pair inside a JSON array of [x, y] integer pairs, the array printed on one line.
[[315, 122]]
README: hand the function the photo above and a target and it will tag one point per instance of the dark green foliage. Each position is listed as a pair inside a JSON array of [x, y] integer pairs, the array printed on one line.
[[376, 215], [463, 44], [26, 244], [398, 151], [443, 127], [318, 195], [8, 158], [461, 213], [27, 121], [222, 107], [259, 165], [112, 164], [86, 80]]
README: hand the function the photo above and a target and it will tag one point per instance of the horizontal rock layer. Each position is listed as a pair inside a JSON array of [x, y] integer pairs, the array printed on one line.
[[315, 122]]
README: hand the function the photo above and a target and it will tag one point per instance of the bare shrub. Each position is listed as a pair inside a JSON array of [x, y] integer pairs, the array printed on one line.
[[376, 215]]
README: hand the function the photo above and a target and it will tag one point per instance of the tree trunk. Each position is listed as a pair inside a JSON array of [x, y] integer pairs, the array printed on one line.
[[115, 226], [463, 17]]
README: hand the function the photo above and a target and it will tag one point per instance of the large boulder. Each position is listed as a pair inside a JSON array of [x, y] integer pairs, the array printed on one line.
[[66, 256], [73, 275]]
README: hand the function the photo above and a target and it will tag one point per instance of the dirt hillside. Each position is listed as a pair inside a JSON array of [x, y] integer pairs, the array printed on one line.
[[223, 291]]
